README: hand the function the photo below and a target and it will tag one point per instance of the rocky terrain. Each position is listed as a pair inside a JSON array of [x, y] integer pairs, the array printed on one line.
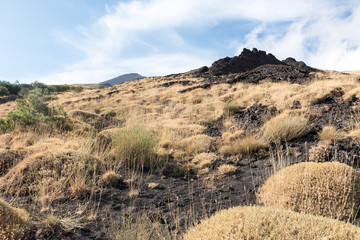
[[210, 130]]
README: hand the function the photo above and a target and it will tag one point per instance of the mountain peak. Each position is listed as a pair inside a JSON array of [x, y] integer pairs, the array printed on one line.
[[121, 79]]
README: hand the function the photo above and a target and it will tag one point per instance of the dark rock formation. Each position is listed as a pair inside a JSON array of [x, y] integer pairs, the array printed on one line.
[[246, 61]]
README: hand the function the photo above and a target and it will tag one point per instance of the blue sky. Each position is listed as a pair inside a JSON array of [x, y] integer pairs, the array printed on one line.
[[85, 41]]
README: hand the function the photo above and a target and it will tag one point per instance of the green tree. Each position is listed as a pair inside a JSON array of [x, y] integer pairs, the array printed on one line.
[[4, 91]]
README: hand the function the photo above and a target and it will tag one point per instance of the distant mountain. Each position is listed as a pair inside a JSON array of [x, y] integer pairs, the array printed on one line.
[[121, 79]]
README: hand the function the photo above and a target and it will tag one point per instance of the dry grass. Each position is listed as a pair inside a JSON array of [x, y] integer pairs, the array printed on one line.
[[134, 147], [331, 134], [202, 160], [197, 144], [227, 169], [245, 146], [285, 127], [13, 221], [328, 189], [319, 153], [111, 179], [141, 226], [153, 185], [52, 176], [258, 223]]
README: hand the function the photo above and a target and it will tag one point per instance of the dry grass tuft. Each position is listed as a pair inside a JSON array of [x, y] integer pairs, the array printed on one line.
[[285, 127], [134, 147], [258, 223], [328, 189], [245, 146], [12, 221], [227, 169], [204, 159], [111, 179], [197, 144], [329, 133]]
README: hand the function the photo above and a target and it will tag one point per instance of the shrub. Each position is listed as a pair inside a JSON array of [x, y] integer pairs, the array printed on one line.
[[12, 221], [4, 91], [33, 111], [134, 147], [257, 223], [246, 146], [285, 127], [76, 89], [328, 189], [329, 133]]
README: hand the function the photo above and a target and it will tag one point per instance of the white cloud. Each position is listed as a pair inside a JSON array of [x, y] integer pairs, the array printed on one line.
[[145, 37], [327, 40]]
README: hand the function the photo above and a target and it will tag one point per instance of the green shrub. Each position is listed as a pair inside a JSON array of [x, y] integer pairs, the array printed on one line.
[[76, 89], [134, 147], [34, 110], [4, 91], [258, 223]]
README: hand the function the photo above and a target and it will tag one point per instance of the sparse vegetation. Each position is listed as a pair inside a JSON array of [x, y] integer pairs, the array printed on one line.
[[230, 108], [33, 111], [13, 221], [328, 189], [179, 151], [52, 176], [259, 223]]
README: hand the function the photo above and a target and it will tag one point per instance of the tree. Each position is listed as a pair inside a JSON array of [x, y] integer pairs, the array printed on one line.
[[4, 91]]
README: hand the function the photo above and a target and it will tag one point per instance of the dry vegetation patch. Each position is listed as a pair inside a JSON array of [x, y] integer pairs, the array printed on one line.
[[53, 176], [331, 134], [258, 223], [197, 144], [12, 221], [245, 146], [328, 189]]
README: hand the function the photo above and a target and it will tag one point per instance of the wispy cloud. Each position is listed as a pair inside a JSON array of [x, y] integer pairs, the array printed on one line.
[[153, 37]]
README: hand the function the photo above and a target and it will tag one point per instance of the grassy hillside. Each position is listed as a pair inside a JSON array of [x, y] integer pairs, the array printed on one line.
[[150, 158]]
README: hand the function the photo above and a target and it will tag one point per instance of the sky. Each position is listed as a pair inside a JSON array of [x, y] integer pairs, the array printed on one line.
[[89, 41]]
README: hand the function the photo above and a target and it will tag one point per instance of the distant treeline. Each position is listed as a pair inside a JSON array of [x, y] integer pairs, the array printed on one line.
[[8, 89]]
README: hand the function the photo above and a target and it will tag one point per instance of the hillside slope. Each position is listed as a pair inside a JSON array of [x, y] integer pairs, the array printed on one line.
[[208, 139]]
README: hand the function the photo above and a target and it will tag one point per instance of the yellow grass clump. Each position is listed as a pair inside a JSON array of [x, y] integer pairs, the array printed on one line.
[[331, 134], [258, 223], [329, 189], [227, 169], [197, 144], [246, 146], [285, 127], [134, 147], [12, 221]]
